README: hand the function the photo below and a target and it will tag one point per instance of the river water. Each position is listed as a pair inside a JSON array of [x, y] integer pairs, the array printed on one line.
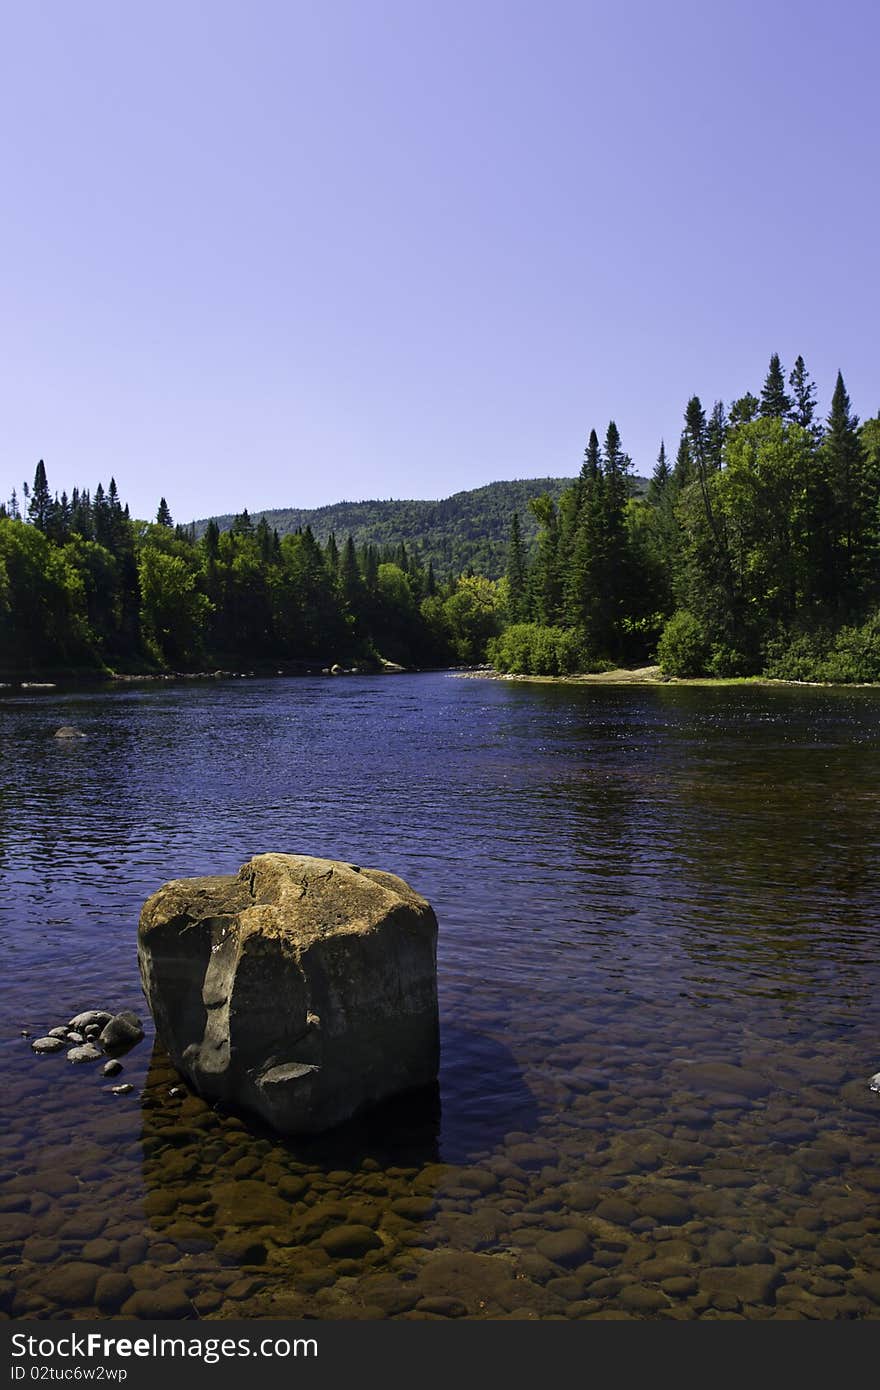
[[658, 973]]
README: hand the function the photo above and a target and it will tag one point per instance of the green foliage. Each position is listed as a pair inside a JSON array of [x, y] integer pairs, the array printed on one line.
[[466, 532], [851, 656], [536, 650], [684, 647], [174, 611], [472, 616]]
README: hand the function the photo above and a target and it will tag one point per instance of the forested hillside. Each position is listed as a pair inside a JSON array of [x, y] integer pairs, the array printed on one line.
[[755, 550], [467, 531]]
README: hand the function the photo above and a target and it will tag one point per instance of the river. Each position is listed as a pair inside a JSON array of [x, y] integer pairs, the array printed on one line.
[[658, 974]]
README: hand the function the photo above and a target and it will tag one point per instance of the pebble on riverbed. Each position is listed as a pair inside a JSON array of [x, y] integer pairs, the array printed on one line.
[[89, 1036], [874, 1082], [123, 1089]]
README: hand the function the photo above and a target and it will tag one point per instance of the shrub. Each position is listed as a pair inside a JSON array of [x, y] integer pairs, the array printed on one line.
[[531, 649], [683, 649], [851, 656]]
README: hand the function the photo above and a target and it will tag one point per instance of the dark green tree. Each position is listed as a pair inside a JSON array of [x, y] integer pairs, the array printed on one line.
[[803, 398], [40, 504], [744, 410], [774, 401], [163, 515], [517, 575]]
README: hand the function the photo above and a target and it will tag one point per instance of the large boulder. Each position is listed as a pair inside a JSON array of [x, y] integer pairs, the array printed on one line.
[[301, 989]]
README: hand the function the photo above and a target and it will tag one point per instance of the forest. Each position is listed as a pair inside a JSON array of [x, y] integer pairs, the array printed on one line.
[[467, 531], [84, 587], [754, 551]]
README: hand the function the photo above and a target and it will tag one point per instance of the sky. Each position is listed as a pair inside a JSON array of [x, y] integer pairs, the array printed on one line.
[[284, 254]]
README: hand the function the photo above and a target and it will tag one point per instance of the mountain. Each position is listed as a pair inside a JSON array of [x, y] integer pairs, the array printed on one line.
[[469, 530]]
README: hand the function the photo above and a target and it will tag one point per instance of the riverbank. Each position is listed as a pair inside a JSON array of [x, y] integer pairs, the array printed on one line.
[[79, 678], [645, 675]]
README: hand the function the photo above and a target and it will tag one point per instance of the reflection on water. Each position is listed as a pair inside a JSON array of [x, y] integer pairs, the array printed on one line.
[[659, 1008]]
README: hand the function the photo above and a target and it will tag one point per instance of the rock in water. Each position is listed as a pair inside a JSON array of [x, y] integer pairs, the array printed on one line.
[[122, 1032], [874, 1081], [302, 989], [68, 731]]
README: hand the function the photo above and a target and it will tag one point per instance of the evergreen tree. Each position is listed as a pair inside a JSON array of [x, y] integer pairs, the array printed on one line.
[[854, 518], [683, 472], [517, 575], [163, 515], [774, 402], [40, 504], [331, 557], [661, 478], [716, 436], [803, 406], [744, 410], [351, 584], [545, 598]]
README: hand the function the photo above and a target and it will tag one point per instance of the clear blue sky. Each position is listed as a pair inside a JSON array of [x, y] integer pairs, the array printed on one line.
[[273, 254]]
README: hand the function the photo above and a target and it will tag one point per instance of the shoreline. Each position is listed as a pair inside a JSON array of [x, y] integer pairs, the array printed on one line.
[[652, 675]]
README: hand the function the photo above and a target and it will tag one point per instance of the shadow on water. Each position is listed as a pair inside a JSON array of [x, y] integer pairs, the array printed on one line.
[[192, 1148]]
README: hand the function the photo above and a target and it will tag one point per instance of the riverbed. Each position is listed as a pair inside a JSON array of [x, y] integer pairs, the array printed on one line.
[[658, 974]]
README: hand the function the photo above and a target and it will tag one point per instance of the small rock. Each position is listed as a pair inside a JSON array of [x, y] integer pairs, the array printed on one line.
[[169, 1301], [25, 1033], [122, 1031], [92, 1031], [47, 1045], [90, 1017], [73, 1037], [568, 1248], [351, 1241], [111, 1068], [59, 1033], [86, 1053], [68, 731], [121, 1090], [112, 1290], [874, 1083], [177, 1091]]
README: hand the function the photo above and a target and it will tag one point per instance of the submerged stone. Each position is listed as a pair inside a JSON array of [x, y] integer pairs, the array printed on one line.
[[302, 989]]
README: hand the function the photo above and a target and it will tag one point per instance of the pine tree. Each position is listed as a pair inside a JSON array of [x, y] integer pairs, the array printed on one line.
[[331, 557], [517, 575], [803, 406], [660, 478], [351, 584], [774, 401], [545, 580], [14, 509], [163, 515], [40, 504], [716, 435], [744, 410], [854, 508], [683, 472]]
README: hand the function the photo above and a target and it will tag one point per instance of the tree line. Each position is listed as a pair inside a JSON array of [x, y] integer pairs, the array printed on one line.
[[757, 550], [84, 586]]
